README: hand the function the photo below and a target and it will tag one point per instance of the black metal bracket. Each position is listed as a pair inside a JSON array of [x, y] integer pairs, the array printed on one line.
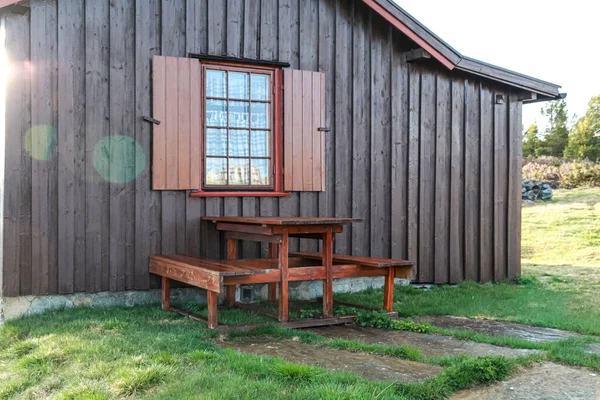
[[151, 120], [324, 129]]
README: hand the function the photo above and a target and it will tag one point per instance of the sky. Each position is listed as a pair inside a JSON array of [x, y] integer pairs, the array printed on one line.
[[556, 41]]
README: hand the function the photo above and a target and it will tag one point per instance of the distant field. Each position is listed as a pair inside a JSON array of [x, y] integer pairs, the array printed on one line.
[[564, 231]]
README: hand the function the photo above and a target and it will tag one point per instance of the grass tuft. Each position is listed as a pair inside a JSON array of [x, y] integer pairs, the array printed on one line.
[[134, 381]]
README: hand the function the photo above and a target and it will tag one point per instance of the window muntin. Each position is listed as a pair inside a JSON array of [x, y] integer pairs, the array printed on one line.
[[238, 139]]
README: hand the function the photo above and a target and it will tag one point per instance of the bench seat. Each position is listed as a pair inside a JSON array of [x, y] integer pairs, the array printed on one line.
[[402, 268]]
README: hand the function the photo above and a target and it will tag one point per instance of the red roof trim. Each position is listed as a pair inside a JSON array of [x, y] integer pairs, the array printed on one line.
[[4, 3], [408, 32]]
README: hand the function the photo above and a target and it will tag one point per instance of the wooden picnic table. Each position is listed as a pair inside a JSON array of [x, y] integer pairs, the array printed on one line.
[[276, 231]]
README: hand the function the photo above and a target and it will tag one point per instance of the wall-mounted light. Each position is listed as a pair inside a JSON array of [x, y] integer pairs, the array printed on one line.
[[499, 99]]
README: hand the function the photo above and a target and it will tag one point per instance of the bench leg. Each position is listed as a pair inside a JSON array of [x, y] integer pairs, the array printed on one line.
[[211, 298], [388, 290], [231, 295], [166, 293], [328, 282], [272, 287], [283, 285]]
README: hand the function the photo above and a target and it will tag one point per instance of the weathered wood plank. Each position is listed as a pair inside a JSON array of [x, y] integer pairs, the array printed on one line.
[[288, 51], [399, 174], [515, 156], [268, 49], [16, 269], [122, 127], [472, 169], [306, 126], [308, 60], [326, 61], [486, 186], [173, 44], [457, 182], [70, 134], [414, 112], [343, 121], [380, 152], [97, 43], [196, 42], [184, 131], [44, 194], [442, 179], [147, 201], [217, 27], [361, 130], [501, 182]]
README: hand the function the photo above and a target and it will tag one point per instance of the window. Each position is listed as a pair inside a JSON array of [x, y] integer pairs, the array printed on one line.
[[233, 129], [239, 128]]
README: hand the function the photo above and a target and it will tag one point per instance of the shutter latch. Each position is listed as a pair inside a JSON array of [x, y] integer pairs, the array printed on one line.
[[324, 129], [151, 120]]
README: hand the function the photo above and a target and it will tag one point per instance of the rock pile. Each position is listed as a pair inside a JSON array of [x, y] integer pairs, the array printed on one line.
[[532, 190]]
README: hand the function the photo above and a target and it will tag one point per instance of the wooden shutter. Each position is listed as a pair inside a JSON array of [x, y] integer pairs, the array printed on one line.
[[176, 140], [304, 143]]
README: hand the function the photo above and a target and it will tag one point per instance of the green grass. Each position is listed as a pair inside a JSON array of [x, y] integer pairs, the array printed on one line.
[[144, 352], [564, 231]]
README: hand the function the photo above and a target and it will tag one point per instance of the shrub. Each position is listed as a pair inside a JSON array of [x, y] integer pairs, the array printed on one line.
[[568, 173]]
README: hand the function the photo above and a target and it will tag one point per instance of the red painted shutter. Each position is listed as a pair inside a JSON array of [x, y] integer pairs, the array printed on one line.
[[177, 141], [304, 144]]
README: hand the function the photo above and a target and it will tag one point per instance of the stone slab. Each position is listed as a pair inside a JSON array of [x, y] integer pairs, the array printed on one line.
[[547, 381], [368, 366], [499, 328], [430, 345]]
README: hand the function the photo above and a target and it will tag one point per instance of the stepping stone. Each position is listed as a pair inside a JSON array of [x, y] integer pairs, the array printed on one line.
[[499, 328], [593, 348], [547, 381], [368, 366], [430, 345]]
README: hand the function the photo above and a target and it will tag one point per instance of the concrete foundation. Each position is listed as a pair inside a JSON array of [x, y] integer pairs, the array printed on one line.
[[15, 307]]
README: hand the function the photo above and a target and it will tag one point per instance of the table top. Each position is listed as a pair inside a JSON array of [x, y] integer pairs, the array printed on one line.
[[282, 220]]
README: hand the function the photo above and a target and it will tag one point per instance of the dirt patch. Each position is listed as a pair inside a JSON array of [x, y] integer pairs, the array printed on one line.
[[368, 366], [499, 328], [546, 381], [430, 345]]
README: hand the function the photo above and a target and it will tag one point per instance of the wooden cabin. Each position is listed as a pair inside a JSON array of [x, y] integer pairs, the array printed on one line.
[[127, 121]]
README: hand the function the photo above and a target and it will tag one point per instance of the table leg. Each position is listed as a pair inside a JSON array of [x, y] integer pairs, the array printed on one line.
[[212, 309], [328, 282], [231, 255], [388, 289], [166, 293], [283, 285], [273, 285]]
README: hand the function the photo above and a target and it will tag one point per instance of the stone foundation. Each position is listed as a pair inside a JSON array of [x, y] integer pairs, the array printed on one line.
[[15, 307]]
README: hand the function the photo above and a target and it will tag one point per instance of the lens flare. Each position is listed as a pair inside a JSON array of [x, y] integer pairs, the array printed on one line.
[[119, 159], [38, 142]]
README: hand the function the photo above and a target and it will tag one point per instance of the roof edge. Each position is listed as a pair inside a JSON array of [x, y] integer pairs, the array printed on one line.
[[452, 58]]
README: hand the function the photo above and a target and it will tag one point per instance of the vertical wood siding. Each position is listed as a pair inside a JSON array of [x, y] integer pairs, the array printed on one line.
[[425, 156]]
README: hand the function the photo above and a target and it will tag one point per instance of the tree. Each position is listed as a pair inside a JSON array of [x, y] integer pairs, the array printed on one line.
[[582, 140], [531, 141], [556, 137]]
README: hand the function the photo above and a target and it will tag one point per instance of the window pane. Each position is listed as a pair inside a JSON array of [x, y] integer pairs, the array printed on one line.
[[238, 171], [215, 83], [260, 115], [238, 85], [259, 143], [238, 143], [216, 171], [260, 87], [216, 142], [238, 114], [216, 112], [260, 172]]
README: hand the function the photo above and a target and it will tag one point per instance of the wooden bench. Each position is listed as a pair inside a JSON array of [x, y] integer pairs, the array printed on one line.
[[367, 266], [211, 275]]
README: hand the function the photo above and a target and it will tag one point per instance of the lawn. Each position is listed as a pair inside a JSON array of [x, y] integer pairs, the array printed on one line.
[[143, 352]]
